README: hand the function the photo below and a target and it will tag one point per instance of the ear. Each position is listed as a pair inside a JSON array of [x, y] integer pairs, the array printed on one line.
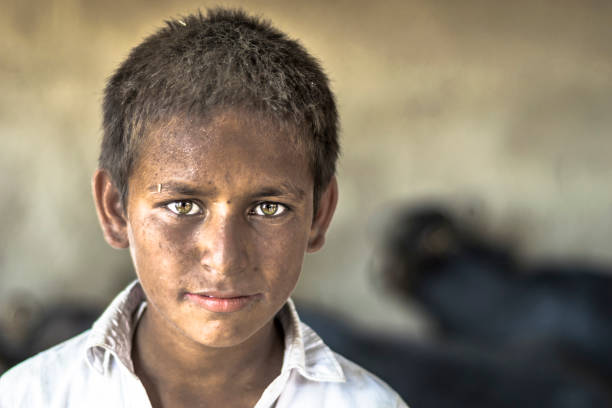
[[109, 208], [321, 221]]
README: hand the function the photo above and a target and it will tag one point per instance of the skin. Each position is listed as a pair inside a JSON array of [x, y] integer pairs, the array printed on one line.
[[249, 192]]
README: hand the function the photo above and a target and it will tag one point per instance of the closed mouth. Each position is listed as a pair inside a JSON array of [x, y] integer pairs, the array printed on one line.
[[221, 302]]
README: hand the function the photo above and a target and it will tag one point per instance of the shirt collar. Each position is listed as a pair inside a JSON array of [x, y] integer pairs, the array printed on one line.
[[305, 351], [111, 337], [111, 334]]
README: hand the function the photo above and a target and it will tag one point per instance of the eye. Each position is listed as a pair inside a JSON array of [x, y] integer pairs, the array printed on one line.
[[269, 209], [184, 207]]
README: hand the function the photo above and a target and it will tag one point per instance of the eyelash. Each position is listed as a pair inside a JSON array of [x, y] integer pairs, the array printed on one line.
[[197, 208]]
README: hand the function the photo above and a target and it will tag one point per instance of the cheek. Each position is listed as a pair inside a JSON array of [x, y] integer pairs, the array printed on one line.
[[158, 250], [281, 257]]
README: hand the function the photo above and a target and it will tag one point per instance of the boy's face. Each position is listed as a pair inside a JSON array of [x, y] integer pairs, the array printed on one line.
[[219, 217]]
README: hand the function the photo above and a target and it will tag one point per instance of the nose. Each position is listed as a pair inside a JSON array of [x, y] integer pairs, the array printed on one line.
[[223, 242]]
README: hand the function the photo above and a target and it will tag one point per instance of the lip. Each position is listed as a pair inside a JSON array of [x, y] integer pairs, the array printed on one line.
[[219, 302]]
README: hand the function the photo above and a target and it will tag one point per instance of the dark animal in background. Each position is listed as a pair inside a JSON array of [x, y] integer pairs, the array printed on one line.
[[51, 326], [477, 293]]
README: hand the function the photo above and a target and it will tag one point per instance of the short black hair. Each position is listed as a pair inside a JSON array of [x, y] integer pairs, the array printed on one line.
[[202, 64]]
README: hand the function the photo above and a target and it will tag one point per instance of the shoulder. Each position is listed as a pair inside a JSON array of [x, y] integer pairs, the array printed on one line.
[[357, 389], [364, 388], [38, 378], [329, 380]]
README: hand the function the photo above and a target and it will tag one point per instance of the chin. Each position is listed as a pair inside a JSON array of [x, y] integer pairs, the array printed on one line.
[[220, 333]]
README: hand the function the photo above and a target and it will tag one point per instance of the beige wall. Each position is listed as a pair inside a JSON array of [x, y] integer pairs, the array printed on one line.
[[500, 108]]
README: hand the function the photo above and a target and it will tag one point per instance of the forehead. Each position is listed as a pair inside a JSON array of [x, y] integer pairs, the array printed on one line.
[[231, 146]]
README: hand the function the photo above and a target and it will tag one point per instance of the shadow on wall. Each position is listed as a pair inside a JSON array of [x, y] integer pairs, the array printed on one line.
[[507, 335]]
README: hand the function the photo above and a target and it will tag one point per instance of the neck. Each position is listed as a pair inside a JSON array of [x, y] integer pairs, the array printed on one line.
[[167, 361]]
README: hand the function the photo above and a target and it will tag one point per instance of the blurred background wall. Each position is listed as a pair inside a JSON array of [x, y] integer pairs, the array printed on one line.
[[501, 110]]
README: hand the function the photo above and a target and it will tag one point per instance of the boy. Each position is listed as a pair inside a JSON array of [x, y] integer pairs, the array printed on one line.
[[217, 172]]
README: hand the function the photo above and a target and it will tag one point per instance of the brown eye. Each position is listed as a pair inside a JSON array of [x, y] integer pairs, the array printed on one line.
[[183, 207], [269, 209]]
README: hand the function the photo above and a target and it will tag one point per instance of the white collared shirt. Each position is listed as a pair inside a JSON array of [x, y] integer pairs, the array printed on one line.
[[94, 369]]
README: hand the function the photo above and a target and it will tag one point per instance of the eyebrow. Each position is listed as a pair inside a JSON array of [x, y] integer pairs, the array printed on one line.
[[285, 189], [180, 188]]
